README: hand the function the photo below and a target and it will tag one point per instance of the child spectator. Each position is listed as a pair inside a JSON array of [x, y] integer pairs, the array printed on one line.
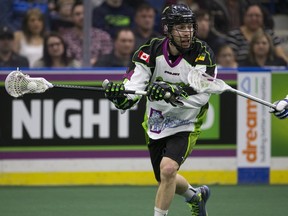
[[55, 53]]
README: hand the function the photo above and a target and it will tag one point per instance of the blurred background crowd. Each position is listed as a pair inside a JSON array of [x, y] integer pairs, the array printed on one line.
[[106, 33]]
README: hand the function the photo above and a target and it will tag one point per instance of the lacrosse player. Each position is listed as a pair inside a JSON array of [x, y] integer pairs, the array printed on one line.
[[174, 111]]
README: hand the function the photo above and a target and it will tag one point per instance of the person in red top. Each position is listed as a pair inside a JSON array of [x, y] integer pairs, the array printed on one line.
[[101, 42]]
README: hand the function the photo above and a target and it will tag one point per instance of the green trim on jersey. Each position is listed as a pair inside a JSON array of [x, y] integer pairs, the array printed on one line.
[[201, 117], [193, 136], [149, 43], [152, 59], [203, 46], [145, 127]]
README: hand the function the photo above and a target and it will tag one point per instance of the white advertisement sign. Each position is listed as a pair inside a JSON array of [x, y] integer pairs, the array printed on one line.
[[253, 121]]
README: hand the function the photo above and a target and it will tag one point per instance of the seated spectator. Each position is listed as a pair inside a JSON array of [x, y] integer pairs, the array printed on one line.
[[17, 10], [158, 6], [124, 45], [144, 24], [240, 38], [225, 57], [96, 3], [261, 53], [194, 5], [205, 32], [29, 41], [7, 57], [101, 42], [55, 53], [227, 14], [5, 13], [135, 4], [61, 18], [112, 15]]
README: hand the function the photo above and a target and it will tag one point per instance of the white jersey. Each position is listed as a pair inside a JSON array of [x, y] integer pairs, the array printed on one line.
[[151, 63]]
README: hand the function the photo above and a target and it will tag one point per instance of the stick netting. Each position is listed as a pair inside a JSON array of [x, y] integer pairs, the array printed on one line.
[[18, 84], [202, 82]]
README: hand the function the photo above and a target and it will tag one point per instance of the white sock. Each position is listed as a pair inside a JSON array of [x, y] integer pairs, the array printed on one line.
[[188, 194], [160, 212]]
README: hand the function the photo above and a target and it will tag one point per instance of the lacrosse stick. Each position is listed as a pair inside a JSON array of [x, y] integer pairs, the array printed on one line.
[[18, 84], [202, 82]]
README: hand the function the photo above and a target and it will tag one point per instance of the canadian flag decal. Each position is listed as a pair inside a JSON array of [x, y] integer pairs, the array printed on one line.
[[144, 56]]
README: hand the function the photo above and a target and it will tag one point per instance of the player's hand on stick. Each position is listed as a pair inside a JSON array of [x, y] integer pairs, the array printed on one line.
[[115, 93], [159, 91], [114, 90], [281, 109]]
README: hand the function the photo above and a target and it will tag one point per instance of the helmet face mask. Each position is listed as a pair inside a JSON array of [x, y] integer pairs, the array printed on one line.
[[179, 25], [182, 34]]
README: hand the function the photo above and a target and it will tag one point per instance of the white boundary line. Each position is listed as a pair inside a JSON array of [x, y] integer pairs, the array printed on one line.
[[121, 164]]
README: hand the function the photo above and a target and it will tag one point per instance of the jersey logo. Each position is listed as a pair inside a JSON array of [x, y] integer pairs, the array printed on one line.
[[201, 57], [157, 122], [144, 56], [172, 73]]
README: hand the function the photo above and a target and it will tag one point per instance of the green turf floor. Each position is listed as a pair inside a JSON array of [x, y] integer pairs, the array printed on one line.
[[137, 201]]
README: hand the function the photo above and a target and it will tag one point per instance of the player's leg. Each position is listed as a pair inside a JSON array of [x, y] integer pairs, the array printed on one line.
[[167, 155], [156, 149], [183, 188], [167, 186], [195, 197], [180, 147]]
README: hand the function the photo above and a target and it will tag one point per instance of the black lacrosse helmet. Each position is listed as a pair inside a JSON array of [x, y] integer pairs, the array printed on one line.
[[176, 14]]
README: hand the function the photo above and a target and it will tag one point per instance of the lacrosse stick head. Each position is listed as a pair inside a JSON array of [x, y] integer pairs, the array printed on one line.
[[203, 82], [18, 84]]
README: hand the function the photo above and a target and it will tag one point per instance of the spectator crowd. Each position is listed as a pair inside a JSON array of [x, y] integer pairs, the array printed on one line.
[[50, 33]]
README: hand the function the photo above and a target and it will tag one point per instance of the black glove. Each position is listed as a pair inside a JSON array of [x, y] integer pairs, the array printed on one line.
[[159, 91], [114, 90], [115, 93]]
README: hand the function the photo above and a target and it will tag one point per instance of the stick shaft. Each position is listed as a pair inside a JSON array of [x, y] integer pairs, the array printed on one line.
[[93, 88], [251, 97]]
